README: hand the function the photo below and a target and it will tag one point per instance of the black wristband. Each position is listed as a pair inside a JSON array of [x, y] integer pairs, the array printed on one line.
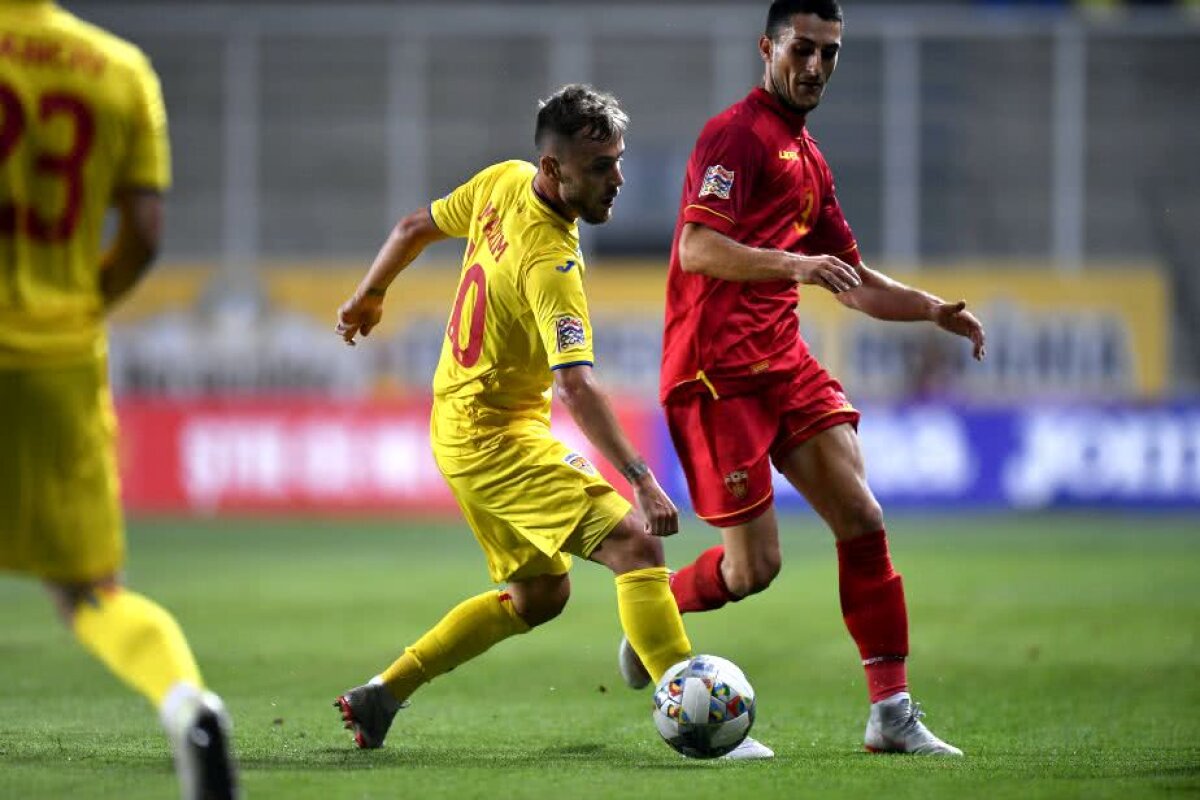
[[634, 470]]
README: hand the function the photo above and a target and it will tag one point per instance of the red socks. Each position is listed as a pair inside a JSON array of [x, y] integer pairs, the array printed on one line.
[[872, 595], [699, 586]]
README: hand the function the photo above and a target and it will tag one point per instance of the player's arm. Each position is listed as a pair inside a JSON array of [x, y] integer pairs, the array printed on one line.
[[884, 298], [410, 236], [135, 245], [704, 251], [559, 307], [141, 179], [578, 390]]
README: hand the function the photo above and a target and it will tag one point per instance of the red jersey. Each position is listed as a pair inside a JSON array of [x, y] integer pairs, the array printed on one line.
[[756, 176]]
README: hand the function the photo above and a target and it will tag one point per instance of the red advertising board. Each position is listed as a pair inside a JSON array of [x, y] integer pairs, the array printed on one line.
[[300, 456]]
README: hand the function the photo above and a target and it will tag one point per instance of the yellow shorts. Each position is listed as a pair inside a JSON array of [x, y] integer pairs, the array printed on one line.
[[530, 501], [59, 492]]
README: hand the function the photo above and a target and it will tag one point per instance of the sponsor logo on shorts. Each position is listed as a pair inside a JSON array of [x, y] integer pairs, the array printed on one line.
[[718, 182], [570, 333], [577, 461], [736, 481]]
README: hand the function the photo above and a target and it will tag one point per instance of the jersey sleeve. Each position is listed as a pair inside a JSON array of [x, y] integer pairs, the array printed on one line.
[[554, 290], [148, 160], [721, 175], [831, 234], [452, 213]]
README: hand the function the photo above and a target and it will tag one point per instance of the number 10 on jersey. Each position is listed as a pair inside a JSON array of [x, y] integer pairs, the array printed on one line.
[[468, 316]]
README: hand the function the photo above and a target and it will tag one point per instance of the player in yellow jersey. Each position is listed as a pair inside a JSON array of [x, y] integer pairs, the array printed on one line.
[[518, 327], [83, 129]]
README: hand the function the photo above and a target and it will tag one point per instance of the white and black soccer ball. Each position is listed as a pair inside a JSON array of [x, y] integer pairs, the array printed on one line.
[[704, 706]]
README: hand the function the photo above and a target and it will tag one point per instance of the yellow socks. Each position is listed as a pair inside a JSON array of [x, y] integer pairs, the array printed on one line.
[[469, 629], [651, 619], [138, 640]]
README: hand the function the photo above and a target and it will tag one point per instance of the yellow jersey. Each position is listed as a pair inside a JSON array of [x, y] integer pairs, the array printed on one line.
[[520, 310], [81, 116]]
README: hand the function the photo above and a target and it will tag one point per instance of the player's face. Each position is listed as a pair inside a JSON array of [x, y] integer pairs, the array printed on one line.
[[590, 177], [800, 60]]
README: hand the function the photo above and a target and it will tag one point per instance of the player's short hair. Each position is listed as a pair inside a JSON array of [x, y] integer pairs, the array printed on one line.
[[781, 12], [577, 108]]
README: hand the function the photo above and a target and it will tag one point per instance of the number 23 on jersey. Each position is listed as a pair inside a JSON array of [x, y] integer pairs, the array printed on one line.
[[19, 149]]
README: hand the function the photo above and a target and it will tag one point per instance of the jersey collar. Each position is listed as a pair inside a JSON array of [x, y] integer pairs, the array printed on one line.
[[550, 210], [793, 119]]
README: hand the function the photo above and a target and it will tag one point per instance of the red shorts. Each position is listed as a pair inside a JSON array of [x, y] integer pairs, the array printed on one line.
[[726, 444]]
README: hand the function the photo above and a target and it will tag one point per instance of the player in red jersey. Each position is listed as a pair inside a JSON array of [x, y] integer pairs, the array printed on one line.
[[759, 217]]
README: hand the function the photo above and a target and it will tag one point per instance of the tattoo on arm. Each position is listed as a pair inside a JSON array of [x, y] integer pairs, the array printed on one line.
[[634, 470]]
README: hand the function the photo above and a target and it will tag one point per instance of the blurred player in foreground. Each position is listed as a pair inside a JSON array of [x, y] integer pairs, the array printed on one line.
[[741, 391], [518, 327], [83, 128]]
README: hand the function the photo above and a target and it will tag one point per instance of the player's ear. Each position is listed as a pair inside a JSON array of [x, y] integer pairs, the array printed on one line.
[[764, 48], [550, 167]]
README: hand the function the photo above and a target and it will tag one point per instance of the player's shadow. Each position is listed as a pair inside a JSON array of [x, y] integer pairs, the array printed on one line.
[[417, 756]]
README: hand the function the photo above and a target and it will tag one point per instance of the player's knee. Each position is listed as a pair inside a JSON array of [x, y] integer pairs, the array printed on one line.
[[752, 576], [542, 610], [538, 602], [860, 517]]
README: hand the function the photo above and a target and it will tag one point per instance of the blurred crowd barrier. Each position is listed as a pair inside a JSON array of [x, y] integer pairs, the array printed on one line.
[[1103, 333], [356, 456]]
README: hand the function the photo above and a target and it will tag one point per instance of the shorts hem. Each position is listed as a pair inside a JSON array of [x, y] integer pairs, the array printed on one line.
[[820, 425], [741, 516]]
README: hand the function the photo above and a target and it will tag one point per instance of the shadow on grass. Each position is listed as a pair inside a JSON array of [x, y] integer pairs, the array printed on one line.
[[413, 756]]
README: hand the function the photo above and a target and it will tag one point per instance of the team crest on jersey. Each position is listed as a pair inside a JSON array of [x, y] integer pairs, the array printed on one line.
[[577, 461], [718, 182], [570, 333], [736, 481]]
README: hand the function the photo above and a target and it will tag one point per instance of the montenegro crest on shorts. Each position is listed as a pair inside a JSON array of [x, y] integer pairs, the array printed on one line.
[[718, 182], [580, 463], [736, 481]]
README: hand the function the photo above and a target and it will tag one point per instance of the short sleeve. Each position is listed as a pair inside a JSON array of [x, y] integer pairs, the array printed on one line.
[[721, 175], [148, 160], [554, 291], [452, 213], [831, 234]]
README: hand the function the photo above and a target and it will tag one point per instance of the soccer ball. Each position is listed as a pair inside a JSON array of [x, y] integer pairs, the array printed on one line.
[[704, 706]]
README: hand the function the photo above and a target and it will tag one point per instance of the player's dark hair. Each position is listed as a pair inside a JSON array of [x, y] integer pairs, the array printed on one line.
[[577, 108], [781, 13]]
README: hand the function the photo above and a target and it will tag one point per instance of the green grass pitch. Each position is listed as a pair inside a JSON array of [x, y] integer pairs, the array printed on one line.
[[1062, 653]]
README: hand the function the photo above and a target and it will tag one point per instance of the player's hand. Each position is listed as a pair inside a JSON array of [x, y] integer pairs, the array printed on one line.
[[828, 272], [662, 517], [955, 318], [359, 315]]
